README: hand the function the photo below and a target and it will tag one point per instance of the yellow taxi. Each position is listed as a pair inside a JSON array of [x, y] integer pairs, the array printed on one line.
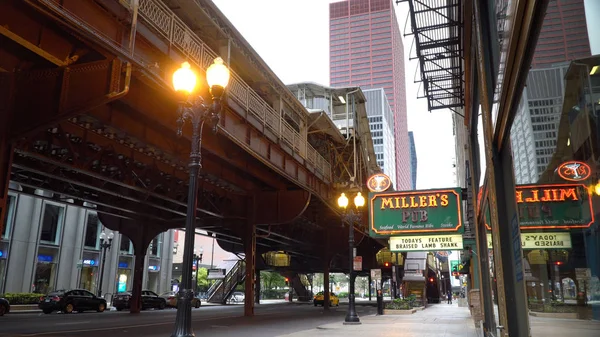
[[319, 299]]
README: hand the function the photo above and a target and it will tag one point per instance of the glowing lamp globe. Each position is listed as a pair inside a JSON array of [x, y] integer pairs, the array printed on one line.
[[343, 201], [217, 74], [359, 200], [184, 79]]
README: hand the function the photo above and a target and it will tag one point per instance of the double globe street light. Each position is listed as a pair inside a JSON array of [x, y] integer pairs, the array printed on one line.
[[193, 109], [105, 243], [350, 217]]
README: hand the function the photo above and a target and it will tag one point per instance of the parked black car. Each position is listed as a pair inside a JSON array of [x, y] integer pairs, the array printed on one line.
[[150, 300], [68, 301], [4, 306]]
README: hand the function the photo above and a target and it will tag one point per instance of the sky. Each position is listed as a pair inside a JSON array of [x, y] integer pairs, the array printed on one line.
[[292, 37]]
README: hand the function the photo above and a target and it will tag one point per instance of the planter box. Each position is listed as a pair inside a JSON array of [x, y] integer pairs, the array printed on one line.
[[399, 312], [570, 315]]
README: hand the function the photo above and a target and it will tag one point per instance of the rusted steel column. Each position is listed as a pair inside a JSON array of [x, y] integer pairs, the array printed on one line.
[[250, 251], [257, 287], [138, 276], [6, 147], [327, 262]]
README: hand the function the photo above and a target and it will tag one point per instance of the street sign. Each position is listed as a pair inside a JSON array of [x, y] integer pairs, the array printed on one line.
[[216, 274], [425, 243], [545, 240], [357, 263], [418, 212], [376, 274]]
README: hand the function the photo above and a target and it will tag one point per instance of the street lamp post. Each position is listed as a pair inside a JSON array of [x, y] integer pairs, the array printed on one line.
[[194, 110], [197, 260], [104, 246], [350, 217]]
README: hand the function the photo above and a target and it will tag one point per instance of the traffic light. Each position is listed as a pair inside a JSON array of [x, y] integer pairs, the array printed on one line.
[[431, 279], [386, 264], [287, 281]]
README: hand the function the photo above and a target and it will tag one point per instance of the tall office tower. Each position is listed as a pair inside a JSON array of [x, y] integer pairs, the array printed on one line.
[[535, 129], [563, 38], [413, 160], [366, 50], [564, 35], [381, 123]]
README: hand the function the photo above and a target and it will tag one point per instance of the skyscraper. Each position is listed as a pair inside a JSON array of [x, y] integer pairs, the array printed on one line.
[[366, 50], [413, 160], [564, 34], [381, 123]]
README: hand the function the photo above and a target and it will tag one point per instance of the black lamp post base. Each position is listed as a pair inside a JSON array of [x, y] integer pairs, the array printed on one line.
[[351, 315], [183, 320], [353, 323]]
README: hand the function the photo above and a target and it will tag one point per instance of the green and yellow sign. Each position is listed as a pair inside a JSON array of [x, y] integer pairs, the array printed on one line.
[[427, 211]]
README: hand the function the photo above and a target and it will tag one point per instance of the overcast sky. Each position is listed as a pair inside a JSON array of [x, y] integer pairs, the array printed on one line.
[[293, 38]]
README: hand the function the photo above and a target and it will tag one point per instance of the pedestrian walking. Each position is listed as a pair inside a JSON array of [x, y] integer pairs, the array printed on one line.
[[449, 297]]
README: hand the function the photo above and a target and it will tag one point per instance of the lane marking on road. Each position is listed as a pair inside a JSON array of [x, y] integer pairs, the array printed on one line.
[[121, 327], [72, 323]]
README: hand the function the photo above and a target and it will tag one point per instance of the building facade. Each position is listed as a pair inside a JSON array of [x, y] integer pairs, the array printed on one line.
[[413, 159], [366, 50], [564, 35], [48, 245], [535, 129], [381, 124]]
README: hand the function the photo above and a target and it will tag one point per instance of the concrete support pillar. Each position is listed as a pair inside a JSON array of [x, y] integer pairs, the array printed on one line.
[[250, 251]]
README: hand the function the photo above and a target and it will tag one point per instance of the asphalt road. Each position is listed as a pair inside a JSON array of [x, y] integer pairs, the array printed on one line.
[[269, 320]]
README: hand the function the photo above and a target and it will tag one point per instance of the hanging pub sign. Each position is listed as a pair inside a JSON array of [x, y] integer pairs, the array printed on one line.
[[562, 206], [379, 182], [426, 211], [574, 170]]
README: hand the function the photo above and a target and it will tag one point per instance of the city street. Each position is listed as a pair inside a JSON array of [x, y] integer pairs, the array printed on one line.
[[270, 320]]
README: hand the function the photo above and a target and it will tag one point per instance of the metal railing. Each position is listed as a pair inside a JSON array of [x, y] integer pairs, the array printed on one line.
[[172, 28], [222, 289]]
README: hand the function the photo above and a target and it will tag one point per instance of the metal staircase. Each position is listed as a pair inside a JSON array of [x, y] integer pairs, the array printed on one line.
[[222, 289], [300, 284]]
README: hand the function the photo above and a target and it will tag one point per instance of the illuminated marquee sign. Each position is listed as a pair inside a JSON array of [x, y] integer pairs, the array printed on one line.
[[425, 243], [552, 206], [555, 240], [574, 170], [428, 211]]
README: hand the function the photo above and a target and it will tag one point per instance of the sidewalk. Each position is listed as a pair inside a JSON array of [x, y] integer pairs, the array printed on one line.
[[437, 320]]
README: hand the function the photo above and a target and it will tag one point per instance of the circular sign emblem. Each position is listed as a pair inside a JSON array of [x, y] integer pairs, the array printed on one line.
[[379, 182], [574, 170]]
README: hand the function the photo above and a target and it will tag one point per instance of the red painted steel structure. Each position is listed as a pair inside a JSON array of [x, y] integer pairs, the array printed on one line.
[[87, 106]]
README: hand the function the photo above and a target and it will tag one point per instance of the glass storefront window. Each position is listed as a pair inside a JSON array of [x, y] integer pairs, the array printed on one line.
[[125, 246], [92, 231], [10, 206], [89, 270], [51, 223], [555, 140], [156, 245], [124, 273], [45, 270]]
